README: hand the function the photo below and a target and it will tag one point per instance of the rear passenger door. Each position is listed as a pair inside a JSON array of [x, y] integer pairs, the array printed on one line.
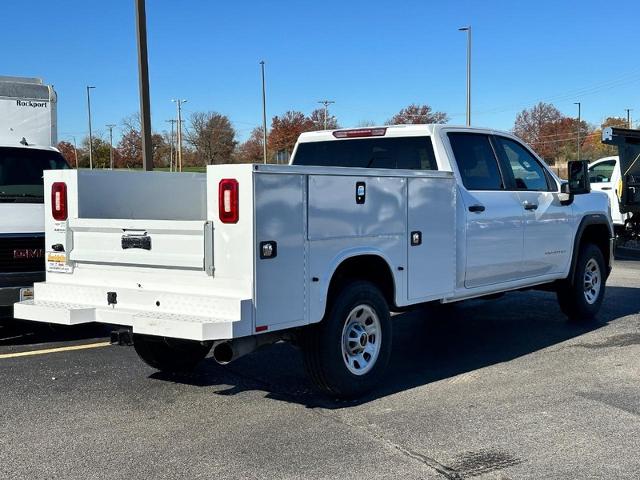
[[493, 215], [548, 235]]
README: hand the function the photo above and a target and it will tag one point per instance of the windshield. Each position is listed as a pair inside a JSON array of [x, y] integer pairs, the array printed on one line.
[[21, 172]]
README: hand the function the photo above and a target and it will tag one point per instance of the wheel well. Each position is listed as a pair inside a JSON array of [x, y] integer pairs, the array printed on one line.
[[599, 235], [372, 268]]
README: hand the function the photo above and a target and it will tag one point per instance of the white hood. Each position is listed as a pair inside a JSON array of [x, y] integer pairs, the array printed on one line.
[[21, 218]]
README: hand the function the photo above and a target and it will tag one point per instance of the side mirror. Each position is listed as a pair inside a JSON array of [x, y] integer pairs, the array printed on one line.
[[578, 178]]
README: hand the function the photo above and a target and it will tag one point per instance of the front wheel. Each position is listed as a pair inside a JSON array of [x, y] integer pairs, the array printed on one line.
[[581, 298], [171, 355], [347, 353]]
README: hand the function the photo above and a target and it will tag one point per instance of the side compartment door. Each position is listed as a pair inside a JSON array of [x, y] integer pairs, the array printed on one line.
[[548, 232], [494, 218], [431, 266], [280, 282]]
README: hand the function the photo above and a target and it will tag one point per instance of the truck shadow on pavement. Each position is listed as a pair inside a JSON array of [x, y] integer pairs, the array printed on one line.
[[16, 333], [429, 345]]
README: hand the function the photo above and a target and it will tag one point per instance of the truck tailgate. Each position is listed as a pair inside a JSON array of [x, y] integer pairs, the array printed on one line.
[[161, 243]]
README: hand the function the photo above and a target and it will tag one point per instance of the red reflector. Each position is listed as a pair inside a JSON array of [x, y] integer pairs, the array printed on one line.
[[59, 201], [262, 328], [360, 132], [228, 201]]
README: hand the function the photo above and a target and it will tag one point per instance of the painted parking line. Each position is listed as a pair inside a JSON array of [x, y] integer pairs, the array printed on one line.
[[55, 350]]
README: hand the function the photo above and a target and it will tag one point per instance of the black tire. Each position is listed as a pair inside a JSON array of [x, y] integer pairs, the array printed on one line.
[[322, 343], [171, 355], [572, 295]]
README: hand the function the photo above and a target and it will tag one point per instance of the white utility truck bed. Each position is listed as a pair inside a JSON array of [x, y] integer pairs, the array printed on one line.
[[363, 222]]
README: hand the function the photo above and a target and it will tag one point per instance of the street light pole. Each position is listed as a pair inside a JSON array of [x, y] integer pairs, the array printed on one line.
[[90, 134], [75, 150], [579, 120], [179, 103], [110, 127], [264, 115], [628, 110], [171, 144], [143, 76], [468, 30], [326, 104]]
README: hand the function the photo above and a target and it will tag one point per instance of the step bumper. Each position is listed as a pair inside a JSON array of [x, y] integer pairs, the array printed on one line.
[[191, 327]]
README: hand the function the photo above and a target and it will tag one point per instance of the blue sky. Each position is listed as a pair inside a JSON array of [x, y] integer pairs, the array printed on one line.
[[371, 57]]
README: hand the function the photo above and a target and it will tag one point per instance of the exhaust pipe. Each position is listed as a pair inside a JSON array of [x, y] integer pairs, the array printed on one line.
[[227, 351]]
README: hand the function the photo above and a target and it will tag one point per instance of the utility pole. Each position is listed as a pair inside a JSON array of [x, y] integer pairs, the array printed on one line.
[[75, 150], [171, 143], [264, 115], [326, 104], [179, 103], [628, 110], [143, 75], [110, 127], [468, 30], [579, 121], [90, 135]]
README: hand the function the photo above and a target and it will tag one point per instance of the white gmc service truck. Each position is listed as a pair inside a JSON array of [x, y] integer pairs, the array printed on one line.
[[363, 222]]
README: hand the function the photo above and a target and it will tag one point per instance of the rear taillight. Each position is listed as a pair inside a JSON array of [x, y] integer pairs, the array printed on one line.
[[59, 201], [228, 202]]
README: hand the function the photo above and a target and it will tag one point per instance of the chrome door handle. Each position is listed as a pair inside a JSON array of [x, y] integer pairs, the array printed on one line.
[[530, 206]]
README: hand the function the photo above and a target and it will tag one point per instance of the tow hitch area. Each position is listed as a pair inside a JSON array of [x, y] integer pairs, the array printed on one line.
[[112, 298], [122, 337]]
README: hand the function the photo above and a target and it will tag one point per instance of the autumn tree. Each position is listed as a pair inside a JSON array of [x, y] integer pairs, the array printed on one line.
[[551, 134], [317, 119], [593, 148], [128, 153], [286, 129], [68, 151], [130, 149], [212, 136], [414, 114], [251, 151]]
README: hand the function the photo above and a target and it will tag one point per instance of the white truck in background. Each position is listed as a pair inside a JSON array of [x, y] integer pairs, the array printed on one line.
[[363, 222], [28, 133], [605, 176], [619, 177]]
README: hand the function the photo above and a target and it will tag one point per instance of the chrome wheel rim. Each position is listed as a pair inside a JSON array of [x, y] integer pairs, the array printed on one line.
[[592, 281], [361, 338]]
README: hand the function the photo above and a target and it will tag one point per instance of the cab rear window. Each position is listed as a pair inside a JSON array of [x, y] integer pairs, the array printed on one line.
[[411, 153]]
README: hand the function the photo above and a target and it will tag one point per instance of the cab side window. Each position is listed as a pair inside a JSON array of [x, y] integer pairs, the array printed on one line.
[[476, 161], [602, 172], [527, 173]]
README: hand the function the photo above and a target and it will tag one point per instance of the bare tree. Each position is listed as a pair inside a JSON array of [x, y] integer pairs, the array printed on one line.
[[212, 136], [414, 114]]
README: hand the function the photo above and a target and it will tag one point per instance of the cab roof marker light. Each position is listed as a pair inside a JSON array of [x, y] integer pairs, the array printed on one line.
[[360, 132]]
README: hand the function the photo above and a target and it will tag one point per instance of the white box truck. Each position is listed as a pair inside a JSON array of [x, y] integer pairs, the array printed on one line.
[[28, 131], [363, 222]]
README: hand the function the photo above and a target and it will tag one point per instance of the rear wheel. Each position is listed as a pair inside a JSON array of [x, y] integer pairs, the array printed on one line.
[[347, 353], [581, 297], [172, 355]]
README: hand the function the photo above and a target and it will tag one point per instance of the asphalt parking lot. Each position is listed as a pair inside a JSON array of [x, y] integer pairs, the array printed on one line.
[[489, 389]]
